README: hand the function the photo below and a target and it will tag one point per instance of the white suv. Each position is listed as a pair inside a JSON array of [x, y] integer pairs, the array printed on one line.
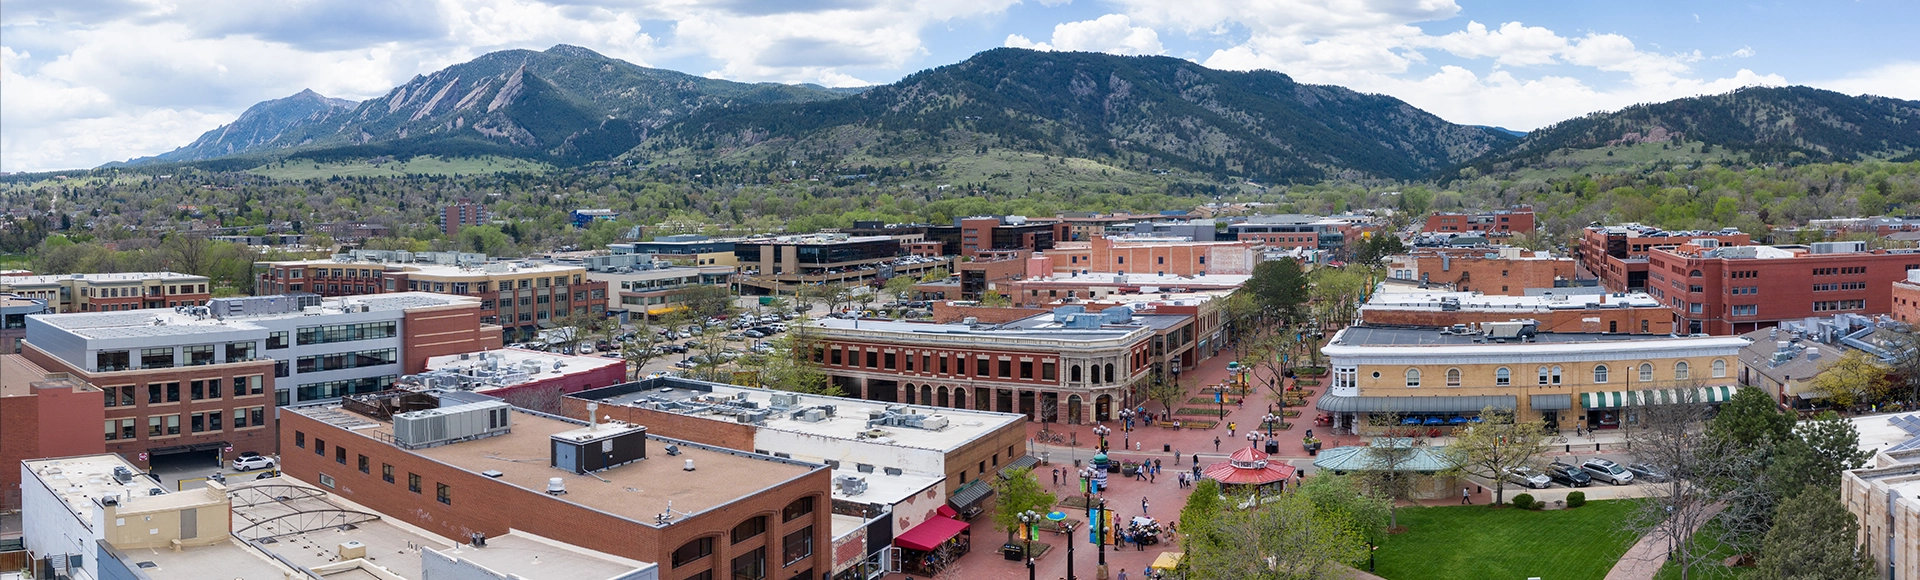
[[253, 462], [1608, 471]]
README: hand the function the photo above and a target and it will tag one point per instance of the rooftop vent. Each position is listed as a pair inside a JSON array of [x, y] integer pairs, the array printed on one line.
[[493, 473], [556, 486]]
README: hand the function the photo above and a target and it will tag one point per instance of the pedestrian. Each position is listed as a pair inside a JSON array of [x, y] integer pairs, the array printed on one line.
[[1136, 446], [1150, 475], [1156, 466], [1242, 403], [1143, 505], [1466, 495], [1056, 477], [1176, 424], [1216, 445], [1123, 574]]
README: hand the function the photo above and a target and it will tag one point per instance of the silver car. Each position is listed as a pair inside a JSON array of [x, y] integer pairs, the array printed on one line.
[[1608, 471], [1529, 477]]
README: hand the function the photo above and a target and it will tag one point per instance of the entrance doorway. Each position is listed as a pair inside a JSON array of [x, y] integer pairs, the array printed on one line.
[[1073, 409]]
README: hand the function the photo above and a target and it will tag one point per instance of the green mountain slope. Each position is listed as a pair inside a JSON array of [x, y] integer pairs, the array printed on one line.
[[1764, 124], [1141, 112]]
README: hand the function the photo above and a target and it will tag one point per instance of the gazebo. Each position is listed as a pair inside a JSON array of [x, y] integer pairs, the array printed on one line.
[[1249, 468]]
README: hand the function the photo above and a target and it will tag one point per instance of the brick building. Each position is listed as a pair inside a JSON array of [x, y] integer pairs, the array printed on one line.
[[1618, 254], [1393, 304], [1293, 231], [1906, 298], [522, 297], [1166, 256], [700, 511], [1069, 366], [13, 319], [782, 265], [1732, 290], [110, 292], [1506, 271], [461, 214], [524, 378], [1498, 222], [971, 237], [42, 414]]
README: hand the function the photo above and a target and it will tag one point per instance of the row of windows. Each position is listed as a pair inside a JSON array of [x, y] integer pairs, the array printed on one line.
[[1550, 375], [1832, 305], [442, 493], [1744, 274], [346, 332], [347, 360], [1849, 270], [1743, 290], [169, 425], [1833, 286], [200, 389], [982, 366], [752, 564], [337, 389]]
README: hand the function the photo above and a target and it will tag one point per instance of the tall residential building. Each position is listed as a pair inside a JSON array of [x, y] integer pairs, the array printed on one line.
[[460, 214], [1618, 254], [1733, 290], [522, 296], [110, 292]]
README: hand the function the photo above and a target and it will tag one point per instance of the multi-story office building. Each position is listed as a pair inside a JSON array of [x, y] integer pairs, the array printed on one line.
[[522, 297], [1595, 379], [1518, 220], [1618, 254], [110, 292], [1396, 303], [654, 292], [1175, 256], [700, 250], [782, 265], [43, 414], [1503, 270], [1292, 231], [1732, 290], [461, 214], [1070, 365], [286, 349], [13, 319], [700, 511]]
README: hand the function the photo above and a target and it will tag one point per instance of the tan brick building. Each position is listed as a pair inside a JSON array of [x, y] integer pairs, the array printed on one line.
[[1397, 304], [1885, 496]]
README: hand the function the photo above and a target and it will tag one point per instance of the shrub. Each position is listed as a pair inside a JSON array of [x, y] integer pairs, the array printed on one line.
[[1523, 501], [1576, 499]]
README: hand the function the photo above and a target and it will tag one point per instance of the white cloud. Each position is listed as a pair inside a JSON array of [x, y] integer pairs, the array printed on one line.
[[1112, 33], [1899, 80]]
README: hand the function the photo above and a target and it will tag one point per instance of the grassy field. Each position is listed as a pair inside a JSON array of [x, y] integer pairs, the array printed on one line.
[[1474, 542], [16, 262], [423, 165], [1708, 539]]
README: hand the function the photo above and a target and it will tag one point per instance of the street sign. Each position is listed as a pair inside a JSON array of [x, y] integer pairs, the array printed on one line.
[[227, 449], [143, 456]]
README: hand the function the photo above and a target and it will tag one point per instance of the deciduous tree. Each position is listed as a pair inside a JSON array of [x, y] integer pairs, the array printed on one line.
[[1494, 448], [1016, 492], [1855, 377]]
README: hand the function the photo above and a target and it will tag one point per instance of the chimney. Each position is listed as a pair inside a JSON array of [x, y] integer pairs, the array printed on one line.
[[591, 422]]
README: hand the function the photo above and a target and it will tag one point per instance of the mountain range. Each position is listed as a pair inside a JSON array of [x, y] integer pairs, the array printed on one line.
[[569, 105]]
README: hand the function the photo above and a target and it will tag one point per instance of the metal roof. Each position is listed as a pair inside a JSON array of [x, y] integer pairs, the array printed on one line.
[[1345, 459]]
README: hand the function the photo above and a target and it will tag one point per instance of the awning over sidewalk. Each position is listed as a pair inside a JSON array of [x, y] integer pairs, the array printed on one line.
[[970, 495], [1617, 399], [1550, 402], [1027, 461], [1426, 404], [930, 534]]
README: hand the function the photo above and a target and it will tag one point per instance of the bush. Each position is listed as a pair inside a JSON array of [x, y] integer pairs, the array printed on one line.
[[1523, 501], [1576, 499]]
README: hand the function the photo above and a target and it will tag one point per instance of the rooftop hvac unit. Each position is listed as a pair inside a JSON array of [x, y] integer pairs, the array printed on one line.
[[851, 485], [598, 447], [785, 400], [814, 415], [430, 427]]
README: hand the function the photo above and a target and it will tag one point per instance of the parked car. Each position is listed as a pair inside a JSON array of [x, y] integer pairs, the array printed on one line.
[[1529, 477], [754, 334], [1647, 472], [1568, 475], [253, 462], [1608, 471]]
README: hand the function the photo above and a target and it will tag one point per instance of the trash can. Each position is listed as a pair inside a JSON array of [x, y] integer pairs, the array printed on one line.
[[1273, 447], [1166, 447], [1013, 551]]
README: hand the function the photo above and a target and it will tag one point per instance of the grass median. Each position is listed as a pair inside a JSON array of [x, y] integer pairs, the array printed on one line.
[[1476, 542]]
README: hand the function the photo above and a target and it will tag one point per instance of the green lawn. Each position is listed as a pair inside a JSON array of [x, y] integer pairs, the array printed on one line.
[[1474, 543], [1708, 538]]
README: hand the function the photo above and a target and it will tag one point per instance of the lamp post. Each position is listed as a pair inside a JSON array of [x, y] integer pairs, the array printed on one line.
[[1029, 520], [1271, 419], [1220, 397], [1060, 519], [1102, 431], [1103, 535], [1371, 548]]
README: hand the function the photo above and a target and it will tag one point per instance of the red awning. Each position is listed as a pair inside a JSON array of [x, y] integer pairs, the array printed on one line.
[[945, 511], [930, 534]]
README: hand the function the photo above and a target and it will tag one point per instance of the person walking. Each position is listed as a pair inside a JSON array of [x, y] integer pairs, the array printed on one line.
[[1216, 445], [1156, 465], [1143, 505], [1123, 574], [1466, 496], [1056, 477]]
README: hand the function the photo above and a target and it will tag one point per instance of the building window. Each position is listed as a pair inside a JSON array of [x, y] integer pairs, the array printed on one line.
[[340, 454], [413, 482], [1680, 371], [386, 472], [443, 493], [746, 530], [797, 546], [326, 480], [1413, 378], [1719, 368], [1502, 377], [1542, 376], [1453, 377], [1556, 374], [751, 565], [156, 358], [693, 551], [276, 340], [1047, 372], [319, 447], [1600, 373], [300, 439], [111, 360], [1646, 372], [199, 354], [799, 508]]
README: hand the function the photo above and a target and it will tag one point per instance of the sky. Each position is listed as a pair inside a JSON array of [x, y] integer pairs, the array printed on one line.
[[85, 82]]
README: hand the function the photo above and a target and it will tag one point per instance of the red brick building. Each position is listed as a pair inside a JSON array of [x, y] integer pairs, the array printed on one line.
[[700, 512], [1504, 271], [42, 414], [1498, 222], [202, 409], [520, 297], [1906, 298], [1617, 255], [1734, 290], [1160, 256]]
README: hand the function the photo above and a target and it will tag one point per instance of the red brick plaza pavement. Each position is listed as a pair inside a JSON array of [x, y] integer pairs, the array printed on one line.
[[1164, 496]]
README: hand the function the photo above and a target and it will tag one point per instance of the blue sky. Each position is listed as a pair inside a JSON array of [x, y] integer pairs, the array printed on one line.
[[83, 82]]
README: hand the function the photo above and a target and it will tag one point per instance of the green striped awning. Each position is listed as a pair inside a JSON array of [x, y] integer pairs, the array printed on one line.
[[1617, 399]]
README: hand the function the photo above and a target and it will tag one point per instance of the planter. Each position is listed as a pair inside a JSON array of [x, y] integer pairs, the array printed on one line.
[[1129, 470]]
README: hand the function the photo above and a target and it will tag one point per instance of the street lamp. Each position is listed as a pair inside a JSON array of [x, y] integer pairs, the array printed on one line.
[[1060, 519], [1271, 419], [1102, 431], [1103, 533], [1029, 521], [1371, 548], [1220, 397], [1126, 418]]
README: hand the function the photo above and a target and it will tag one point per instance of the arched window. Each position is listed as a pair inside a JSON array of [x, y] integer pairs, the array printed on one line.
[[1556, 374], [1693, 274], [1413, 378], [1600, 373], [1542, 376], [1502, 377], [1453, 377], [1646, 372], [1719, 368], [1076, 373], [746, 530], [1110, 372], [1680, 371]]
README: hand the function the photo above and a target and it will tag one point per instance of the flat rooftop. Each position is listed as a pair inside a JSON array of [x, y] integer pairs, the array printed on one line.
[[1145, 281], [229, 559], [885, 489], [1423, 336], [1427, 300], [102, 278], [81, 480], [19, 375], [848, 421], [512, 366], [637, 491], [1145, 302], [156, 322], [812, 239], [1034, 327]]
